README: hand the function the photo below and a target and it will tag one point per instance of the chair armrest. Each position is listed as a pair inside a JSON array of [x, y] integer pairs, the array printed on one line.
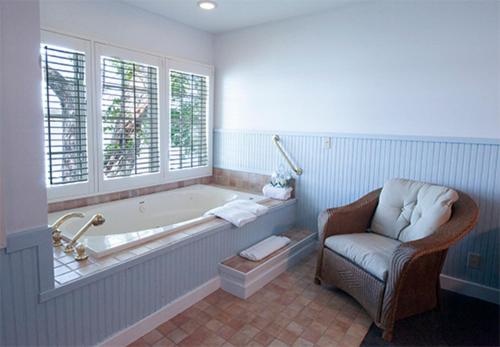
[[348, 219]]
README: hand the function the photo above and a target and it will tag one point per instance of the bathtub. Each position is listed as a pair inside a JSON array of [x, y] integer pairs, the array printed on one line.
[[133, 221]]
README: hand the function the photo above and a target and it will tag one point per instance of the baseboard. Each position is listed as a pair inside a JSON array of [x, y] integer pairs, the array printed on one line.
[[145, 325], [469, 288]]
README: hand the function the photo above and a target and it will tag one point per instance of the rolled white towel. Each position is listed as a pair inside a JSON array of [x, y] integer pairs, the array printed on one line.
[[235, 216], [277, 192], [264, 248], [249, 206]]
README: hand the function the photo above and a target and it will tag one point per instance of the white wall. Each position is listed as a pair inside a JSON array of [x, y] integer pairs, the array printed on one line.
[[128, 26], [398, 68], [23, 197]]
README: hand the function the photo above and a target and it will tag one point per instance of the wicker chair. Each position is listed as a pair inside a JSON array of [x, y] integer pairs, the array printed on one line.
[[412, 281]]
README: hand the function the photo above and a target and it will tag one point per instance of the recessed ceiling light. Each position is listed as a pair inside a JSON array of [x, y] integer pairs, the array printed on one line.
[[207, 4]]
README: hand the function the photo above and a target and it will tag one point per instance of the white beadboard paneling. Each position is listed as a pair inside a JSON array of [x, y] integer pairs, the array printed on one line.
[[116, 298], [355, 165]]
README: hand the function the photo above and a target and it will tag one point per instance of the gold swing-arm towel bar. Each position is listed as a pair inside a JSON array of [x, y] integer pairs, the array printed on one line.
[[295, 168]]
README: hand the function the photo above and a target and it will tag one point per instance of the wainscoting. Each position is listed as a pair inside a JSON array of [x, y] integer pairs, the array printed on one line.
[[95, 307], [356, 164]]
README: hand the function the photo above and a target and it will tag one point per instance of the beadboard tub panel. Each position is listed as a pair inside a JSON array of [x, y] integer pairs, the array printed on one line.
[[88, 314], [356, 164]]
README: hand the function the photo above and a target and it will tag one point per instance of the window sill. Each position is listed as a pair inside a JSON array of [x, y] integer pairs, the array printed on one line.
[[97, 198]]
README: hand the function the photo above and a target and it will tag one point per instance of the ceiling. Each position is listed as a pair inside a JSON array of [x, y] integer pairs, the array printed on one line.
[[233, 14]]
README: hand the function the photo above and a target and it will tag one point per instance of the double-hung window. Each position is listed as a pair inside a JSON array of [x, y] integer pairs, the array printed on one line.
[[65, 108], [118, 119]]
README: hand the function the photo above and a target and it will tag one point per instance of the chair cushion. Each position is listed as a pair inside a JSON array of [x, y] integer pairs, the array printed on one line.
[[369, 251], [410, 210]]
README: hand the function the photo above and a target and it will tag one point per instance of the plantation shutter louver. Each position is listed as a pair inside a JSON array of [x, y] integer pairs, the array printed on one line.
[[188, 120], [65, 115], [129, 104]]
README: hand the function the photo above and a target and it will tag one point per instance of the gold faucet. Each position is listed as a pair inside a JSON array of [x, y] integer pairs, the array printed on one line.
[[96, 220], [56, 232]]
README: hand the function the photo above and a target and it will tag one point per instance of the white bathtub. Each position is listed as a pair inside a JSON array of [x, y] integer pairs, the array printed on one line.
[[133, 221]]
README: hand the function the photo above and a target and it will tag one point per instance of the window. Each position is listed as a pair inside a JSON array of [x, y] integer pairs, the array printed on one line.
[[65, 113], [188, 120], [128, 119], [117, 119], [66, 66], [129, 108]]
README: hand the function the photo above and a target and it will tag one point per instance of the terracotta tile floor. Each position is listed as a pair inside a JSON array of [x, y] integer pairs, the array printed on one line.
[[289, 311]]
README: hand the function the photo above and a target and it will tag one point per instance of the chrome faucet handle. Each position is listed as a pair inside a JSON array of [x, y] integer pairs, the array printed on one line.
[[56, 232]]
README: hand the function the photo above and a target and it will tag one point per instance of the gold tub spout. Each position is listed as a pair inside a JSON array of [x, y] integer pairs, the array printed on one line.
[[96, 220], [56, 232]]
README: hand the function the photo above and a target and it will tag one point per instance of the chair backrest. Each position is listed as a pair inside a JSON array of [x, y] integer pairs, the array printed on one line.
[[465, 214], [410, 210]]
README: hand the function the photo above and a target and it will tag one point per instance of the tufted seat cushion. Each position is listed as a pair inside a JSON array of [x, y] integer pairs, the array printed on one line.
[[409, 210], [369, 251]]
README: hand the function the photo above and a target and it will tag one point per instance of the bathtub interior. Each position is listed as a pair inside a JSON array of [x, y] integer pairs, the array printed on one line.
[[140, 219]]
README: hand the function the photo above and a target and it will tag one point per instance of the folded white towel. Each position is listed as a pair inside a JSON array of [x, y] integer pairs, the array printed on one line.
[[249, 206], [264, 248], [235, 216], [277, 192]]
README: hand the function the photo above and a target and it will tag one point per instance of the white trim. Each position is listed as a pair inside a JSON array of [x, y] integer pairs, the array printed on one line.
[[145, 325], [61, 40], [84, 46], [472, 289], [207, 72], [134, 181], [97, 193]]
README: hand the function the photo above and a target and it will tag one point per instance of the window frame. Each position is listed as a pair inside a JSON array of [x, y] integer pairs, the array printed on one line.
[[64, 191], [94, 48], [201, 70], [134, 181]]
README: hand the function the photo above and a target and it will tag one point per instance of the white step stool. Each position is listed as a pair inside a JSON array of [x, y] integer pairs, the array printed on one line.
[[242, 277]]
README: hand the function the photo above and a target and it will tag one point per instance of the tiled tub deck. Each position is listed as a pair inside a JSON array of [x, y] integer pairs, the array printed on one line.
[[289, 311], [67, 269]]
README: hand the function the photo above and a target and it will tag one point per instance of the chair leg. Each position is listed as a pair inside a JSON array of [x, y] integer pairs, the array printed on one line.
[[319, 262], [388, 334]]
